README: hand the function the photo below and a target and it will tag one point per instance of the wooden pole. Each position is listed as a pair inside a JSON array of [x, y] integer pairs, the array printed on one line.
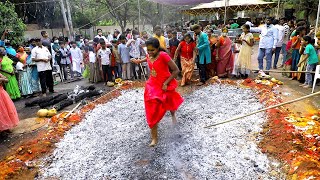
[[66, 25], [277, 71], [72, 111], [70, 20], [264, 109]]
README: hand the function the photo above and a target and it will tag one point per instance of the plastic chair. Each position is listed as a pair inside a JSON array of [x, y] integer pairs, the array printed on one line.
[[316, 76], [57, 71]]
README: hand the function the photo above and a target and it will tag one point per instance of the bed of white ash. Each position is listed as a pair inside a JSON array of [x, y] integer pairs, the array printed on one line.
[[112, 141]]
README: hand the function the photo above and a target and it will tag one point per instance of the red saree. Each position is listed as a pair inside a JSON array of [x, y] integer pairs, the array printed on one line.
[[158, 102], [226, 58]]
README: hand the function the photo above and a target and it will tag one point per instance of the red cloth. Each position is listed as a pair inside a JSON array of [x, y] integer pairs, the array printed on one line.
[[172, 50], [187, 49], [9, 116], [158, 102]]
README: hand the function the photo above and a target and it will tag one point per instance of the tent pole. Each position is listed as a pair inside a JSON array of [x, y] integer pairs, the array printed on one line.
[[225, 11], [317, 22]]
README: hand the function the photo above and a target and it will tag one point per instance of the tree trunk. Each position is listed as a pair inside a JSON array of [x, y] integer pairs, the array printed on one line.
[[70, 20]]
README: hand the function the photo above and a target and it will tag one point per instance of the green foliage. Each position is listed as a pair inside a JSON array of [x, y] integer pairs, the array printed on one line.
[[9, 20], [105, 23]]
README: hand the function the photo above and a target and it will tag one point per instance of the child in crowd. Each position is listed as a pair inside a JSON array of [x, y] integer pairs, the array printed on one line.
[[94, 68], [124, 52], [86, 72], [116, 55], [104, 55], [65, 60], [77, 58], [311, 58]]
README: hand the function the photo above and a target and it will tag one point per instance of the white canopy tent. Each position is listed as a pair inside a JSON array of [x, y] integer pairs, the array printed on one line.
[[233, 5]]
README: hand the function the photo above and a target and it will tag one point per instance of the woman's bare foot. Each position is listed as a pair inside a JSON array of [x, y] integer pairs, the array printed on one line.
[[174, 118], [154, 136], [153, 143]]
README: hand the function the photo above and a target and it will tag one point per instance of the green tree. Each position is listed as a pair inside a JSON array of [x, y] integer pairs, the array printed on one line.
[[9, 20]]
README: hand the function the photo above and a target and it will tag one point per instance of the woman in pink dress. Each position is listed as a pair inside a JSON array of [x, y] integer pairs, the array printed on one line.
[[160, 95], [9, 116], [224, 56]]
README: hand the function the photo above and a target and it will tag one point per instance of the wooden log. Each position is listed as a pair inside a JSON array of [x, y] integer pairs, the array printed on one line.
[[264, 109]]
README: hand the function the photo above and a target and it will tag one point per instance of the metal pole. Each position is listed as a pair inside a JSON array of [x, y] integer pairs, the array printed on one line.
[[277, 16], [317, 21], [225, 12], [139, 6]]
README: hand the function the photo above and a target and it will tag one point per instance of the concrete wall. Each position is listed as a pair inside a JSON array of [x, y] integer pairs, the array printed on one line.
[[35, 32]]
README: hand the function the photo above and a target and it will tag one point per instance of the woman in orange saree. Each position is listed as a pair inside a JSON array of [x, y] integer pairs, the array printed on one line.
[[224, 56], [187, 52]]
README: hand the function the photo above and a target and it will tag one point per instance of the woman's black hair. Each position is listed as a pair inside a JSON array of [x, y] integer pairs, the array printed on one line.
[[188, 35], [309, 39], [154, 42], [300, 29], [246, 26], [122, 37]]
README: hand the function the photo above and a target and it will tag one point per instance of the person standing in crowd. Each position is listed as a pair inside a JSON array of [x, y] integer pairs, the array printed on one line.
[[173, 45], [311, 58], [160, 95], [233, 25], [86, 62], [296, 44], [42, 57], [115, 53], [100, 35], [9, 116], [77, 59], [7, 70], [183, 32], [135, 43], [187, 51], [267, 44], [104, 56], [124, 52], [46, 41], [224, 55], [281, 35], [116, 34], [161, 39], [34, 74], [94, 68], [203, 48], [243, 62], [24, 75], [65, 61], [11, 52], [212, 67]]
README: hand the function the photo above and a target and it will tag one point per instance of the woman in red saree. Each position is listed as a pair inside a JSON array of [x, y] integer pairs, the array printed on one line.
[[160, 95], [224, 56], [187, 52]]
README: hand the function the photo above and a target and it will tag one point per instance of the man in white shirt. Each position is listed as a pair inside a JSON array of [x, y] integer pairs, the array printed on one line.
[[135, 52], [267, 44], [279, 44], [77, 59], [104, 56], [41, 56], [99, 31]]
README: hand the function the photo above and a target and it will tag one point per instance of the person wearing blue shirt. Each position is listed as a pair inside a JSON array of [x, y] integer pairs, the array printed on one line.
[[268, 43], [203, 47], [6, 44]]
